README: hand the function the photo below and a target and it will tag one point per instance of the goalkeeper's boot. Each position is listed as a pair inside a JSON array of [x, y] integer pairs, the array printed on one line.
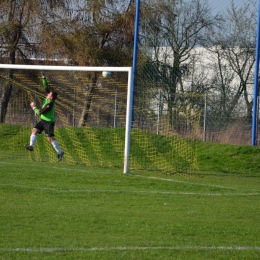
[[29, 147], [60, 156]]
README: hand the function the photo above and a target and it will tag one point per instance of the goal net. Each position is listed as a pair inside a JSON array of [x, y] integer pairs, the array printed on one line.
[[99, 120]]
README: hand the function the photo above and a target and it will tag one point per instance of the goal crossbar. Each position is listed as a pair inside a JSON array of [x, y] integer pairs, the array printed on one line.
[[91, 69], [64, 68]]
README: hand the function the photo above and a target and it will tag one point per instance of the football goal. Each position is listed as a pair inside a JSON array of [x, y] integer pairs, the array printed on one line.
[[100, 119]]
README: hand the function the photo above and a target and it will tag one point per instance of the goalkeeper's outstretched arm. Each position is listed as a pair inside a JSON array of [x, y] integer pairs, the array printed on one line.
[[45, 83], [43, 110]]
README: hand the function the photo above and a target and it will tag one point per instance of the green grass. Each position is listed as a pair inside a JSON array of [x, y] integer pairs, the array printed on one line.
[[61, 211], [103, 151], [223, 158], [94, 146], [58, 211]]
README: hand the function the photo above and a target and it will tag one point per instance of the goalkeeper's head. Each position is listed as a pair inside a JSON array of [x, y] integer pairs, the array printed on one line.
[[52, 96]]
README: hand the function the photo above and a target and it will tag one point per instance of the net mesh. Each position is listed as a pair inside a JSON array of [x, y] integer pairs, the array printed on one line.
[[91, 118]]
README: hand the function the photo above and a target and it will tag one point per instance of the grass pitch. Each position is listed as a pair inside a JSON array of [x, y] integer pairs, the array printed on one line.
[[60, 211]]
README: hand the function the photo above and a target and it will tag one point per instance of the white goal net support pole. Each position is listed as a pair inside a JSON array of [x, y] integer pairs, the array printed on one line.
[[92, 69]]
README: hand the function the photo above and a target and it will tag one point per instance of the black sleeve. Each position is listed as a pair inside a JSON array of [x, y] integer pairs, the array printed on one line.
[[47, 108]]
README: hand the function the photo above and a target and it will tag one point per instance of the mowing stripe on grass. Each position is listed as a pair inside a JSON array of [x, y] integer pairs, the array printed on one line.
[[145, 177], [135, 175], [130, 191], [130, 248], [49, 167]]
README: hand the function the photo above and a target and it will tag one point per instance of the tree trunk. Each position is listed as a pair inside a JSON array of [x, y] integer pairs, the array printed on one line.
[[4, 102], [87, 104], [7, 92]]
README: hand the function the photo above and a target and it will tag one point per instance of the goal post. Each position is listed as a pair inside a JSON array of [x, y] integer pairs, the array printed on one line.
[[94, 124], [91, 69]]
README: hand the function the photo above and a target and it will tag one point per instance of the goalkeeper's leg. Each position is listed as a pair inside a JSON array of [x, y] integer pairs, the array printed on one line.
[[56, 147], [33, 138]]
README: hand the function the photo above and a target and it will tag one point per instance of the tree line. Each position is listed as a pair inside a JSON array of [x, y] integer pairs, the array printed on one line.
[[101, 33]]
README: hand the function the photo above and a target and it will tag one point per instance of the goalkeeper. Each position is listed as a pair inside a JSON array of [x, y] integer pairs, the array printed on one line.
[[47, 120]]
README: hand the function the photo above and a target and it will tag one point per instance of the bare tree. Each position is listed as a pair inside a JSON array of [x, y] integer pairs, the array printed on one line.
[[14, 18], [19, 21], [180, 26], [87, 33], [94, 33], [235, 49]]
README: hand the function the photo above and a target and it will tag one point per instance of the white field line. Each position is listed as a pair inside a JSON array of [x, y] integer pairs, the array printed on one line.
[[187, 182], [131, 248], [53, 190], [155, 178]]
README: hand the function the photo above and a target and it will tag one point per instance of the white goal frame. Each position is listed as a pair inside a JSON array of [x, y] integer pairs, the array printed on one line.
[[129, 107]]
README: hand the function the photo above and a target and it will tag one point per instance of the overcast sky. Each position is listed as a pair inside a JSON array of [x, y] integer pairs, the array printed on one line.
[[222, 5]]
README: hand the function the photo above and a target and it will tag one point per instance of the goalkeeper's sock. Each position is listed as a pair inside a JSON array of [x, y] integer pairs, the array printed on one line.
[[56, 147], [33, 140]]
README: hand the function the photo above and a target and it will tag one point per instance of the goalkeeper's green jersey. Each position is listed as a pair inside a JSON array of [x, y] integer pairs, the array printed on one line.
[[47, 111]]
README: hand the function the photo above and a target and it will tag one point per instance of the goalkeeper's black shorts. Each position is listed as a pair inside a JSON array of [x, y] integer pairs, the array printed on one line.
[[47, 127]]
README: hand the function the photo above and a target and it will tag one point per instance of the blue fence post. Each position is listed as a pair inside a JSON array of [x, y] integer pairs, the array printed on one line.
[[135, 51], [255, 96]]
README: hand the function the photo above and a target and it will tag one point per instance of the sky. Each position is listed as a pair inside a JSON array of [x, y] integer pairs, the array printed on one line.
[[222, 5]]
